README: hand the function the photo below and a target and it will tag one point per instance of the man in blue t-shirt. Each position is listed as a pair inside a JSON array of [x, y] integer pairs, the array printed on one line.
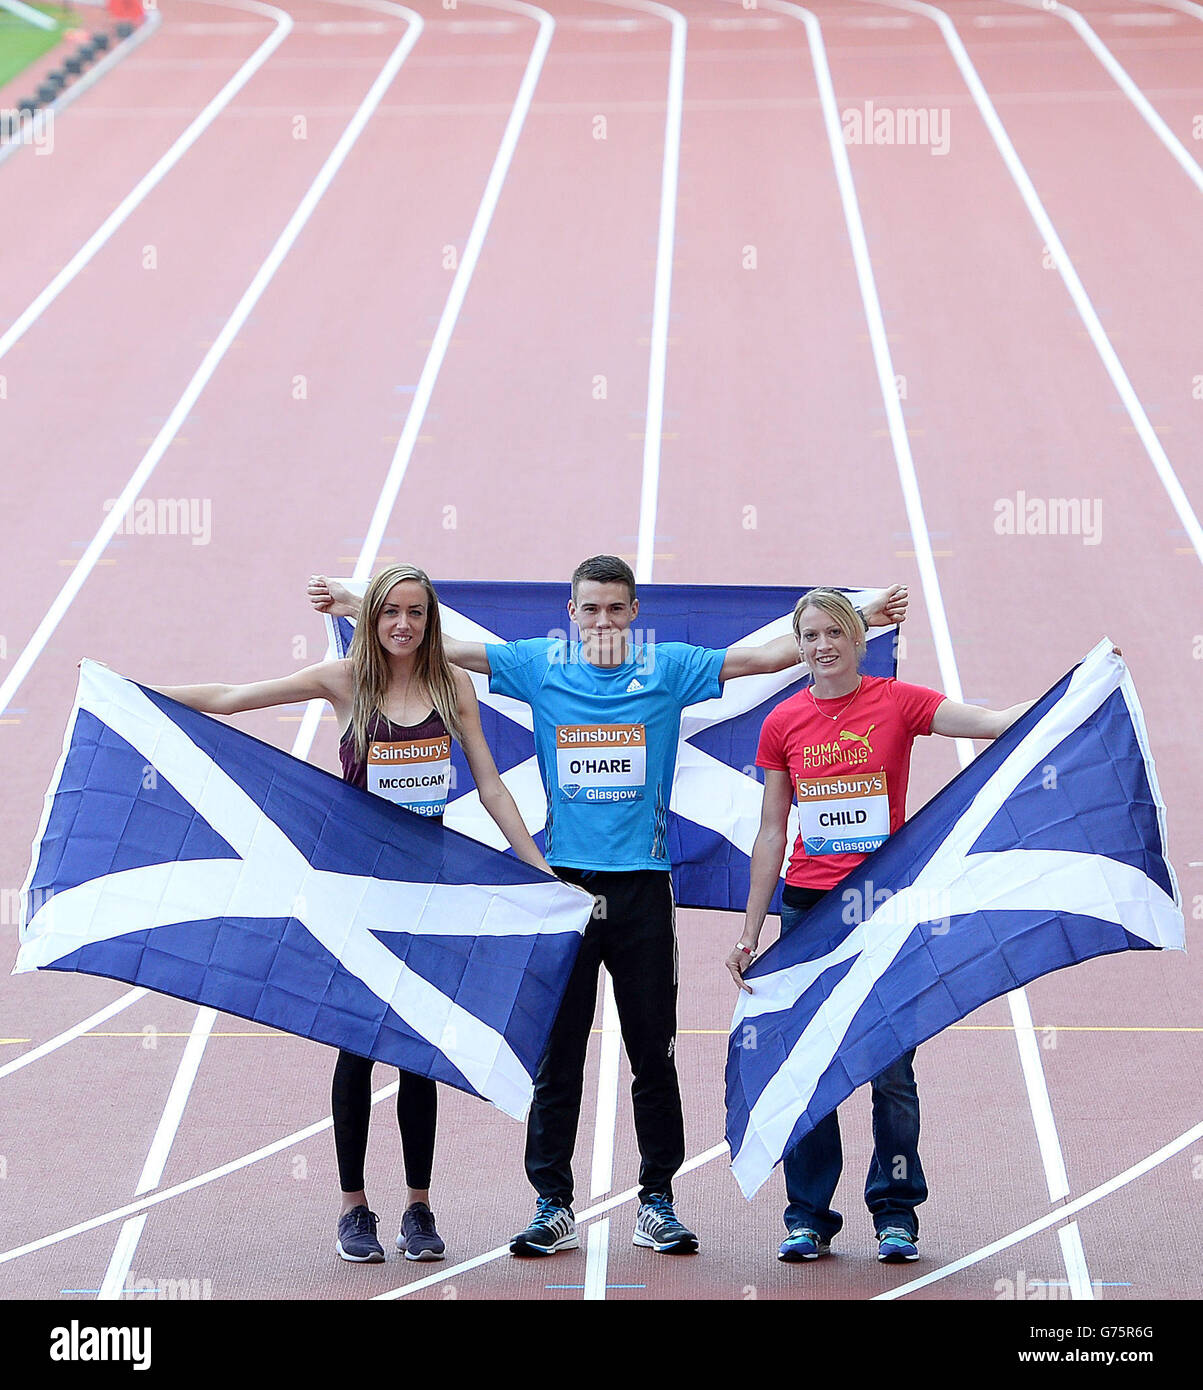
[[607, 720]]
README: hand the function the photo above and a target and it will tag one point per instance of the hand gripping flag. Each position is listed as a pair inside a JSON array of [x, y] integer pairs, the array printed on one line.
[[716, 796], [179, 853], [1046, 850]]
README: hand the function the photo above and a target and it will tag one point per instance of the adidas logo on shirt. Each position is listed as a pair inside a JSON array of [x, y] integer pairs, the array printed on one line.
[[636, 684]]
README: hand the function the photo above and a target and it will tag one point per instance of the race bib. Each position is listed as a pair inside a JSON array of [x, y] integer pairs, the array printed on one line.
[[601, 762], [846, 814], [415, 773]]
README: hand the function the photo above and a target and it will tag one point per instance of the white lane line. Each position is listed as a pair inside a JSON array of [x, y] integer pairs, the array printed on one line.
[[1033, 1071], [207, 368], [649, 494], [1065, 268], [151, 179], [463, 278], [605, 1119], [75, 1031], [1096, 1194], [621, 1199], [1075, 1261], [606, 1114], [1124, 82], [112, 1285], [173, 1113], [201, 1180], [597, 1253]]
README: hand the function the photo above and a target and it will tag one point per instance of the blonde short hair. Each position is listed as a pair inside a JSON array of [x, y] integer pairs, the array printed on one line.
[[839, 609]]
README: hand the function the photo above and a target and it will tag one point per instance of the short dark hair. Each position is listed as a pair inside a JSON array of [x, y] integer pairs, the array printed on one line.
[[604, 569]]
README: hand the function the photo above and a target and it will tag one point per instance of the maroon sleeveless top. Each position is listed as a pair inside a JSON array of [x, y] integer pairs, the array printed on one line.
[[407, 764]]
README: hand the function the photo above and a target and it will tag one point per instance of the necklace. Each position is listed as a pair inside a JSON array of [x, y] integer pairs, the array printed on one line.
[[842, 708]]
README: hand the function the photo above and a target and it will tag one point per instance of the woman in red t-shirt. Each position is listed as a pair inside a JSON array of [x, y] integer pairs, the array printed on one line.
[[842, 748]]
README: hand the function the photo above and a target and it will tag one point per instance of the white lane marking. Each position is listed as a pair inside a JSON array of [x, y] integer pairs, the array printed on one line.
[[1033, 1228], [1124, 82], [597, 1254], [173, 1113], [622, 1198], [649, 493], [151, 179], [1065, 268], [1075, 1261], [113, 1284], [204, 373], [463, 278], [75, 1031], [1033, 1070], [201, 1180], [606, 1115]]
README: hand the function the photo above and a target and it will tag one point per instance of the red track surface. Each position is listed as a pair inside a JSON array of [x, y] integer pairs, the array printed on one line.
[[772, 404]]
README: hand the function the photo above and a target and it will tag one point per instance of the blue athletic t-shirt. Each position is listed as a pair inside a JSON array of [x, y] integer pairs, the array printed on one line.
[[606, 739]]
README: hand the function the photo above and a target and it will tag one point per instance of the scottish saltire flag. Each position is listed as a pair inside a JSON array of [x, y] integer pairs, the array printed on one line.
[[1047, 850], [715, 806], [178, 853]]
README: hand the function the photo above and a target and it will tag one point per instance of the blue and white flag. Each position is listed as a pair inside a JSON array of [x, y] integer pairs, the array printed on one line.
[[178, 853], [1047, 850], [716, 797]]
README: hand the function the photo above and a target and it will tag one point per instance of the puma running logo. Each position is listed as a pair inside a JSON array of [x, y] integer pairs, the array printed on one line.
[[848, 737]]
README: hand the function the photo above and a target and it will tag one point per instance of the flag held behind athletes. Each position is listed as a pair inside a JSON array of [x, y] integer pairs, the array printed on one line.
[[1047, 850], [178, 853], [715, 807]]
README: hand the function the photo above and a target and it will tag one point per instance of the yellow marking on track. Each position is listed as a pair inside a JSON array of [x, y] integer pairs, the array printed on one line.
[[4, 1042], [160, 1034], [991, 1028], [9, 721]]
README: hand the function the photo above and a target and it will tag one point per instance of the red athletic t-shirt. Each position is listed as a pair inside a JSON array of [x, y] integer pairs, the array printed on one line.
[[849, 772]]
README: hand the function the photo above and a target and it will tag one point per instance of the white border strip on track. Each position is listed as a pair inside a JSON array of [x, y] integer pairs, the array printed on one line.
[[1065, 268], [606, 1112], [77, 1030], [1123, 81], [463, 278], [150, 180], [1033, 1070], [113, 1283]]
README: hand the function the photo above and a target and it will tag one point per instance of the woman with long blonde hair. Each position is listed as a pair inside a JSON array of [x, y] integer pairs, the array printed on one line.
[[399, 702]]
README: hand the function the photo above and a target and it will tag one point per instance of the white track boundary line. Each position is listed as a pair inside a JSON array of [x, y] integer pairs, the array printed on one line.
[[621, 1199], [1123, 81], [1065, 268], [204, 373], [201, 1180], [463, 277], [606, 1115], [1033, 1070], [113, 1283], [77, 1030], [1087, 1199], [179, 147]]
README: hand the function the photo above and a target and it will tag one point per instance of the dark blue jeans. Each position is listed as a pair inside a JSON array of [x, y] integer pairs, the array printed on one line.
[[895, 1185]]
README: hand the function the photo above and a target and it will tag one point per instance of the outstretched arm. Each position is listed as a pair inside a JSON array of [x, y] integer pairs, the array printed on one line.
[[329, 680], [494, 794], [767, 855], [884, 609], [955, 720], [329, 596]]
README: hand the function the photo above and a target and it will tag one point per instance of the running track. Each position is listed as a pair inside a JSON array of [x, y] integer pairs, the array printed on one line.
[[346, 377]]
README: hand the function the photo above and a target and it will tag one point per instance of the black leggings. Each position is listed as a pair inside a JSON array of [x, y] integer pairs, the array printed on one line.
[[351, 1106]]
